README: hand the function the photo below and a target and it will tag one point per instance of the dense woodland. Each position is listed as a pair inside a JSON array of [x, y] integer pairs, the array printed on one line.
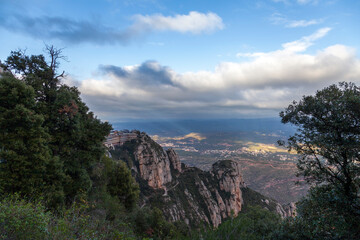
[[56, 181]]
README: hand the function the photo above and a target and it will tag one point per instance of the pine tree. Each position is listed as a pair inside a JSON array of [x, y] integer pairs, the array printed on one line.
[[24, 152], [74, 136], [122, 185]]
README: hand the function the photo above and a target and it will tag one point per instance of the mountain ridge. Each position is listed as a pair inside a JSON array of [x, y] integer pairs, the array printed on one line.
[[186, 193]]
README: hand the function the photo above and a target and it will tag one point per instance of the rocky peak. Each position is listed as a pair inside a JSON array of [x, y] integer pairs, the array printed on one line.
[[228, 174], [188, 193], [150, 161], [153, 162]]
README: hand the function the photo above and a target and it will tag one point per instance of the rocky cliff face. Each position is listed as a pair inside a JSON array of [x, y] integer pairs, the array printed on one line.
[[153, 163], [188, 193], [230, 180], [174, 160]]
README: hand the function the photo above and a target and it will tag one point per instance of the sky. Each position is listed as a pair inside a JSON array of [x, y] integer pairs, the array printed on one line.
[[163, 59]]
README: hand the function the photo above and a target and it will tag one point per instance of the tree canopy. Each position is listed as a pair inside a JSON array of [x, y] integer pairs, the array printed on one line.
[[24, 152], [328, 143], [49, 139], [328, 136]]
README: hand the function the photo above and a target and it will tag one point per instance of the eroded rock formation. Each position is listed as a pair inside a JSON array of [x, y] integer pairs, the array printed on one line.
[[188, 193], [153, 163]]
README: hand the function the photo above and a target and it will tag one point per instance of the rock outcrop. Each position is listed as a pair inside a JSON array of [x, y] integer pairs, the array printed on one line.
[[174, 159], [188, 193], [228, 174], [290, 209], [153, 163]]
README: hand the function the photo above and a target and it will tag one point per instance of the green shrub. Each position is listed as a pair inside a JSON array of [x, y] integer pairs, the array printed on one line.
[[256, 224], [324, 213], [20, 219], [77, 222]]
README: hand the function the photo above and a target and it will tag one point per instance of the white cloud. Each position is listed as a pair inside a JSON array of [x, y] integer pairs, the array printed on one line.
[[277, 18], [305, 42], [259, 85], [302, 23], [194, 22]]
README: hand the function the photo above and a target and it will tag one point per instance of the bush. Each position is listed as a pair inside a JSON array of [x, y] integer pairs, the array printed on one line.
[[20, 219], [324, 213], [77, 222], [150, 223], [256, 223]]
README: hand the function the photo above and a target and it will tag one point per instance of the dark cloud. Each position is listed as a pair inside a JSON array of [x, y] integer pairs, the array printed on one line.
[[67, 30], [148, 73], [117, 71]]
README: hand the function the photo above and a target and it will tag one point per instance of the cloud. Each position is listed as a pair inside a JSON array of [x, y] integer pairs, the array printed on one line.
[[277, 18], [67, 30], [302, 23], [79, 31], [305, 42], [194, 22], [149, 73], [261, 84]]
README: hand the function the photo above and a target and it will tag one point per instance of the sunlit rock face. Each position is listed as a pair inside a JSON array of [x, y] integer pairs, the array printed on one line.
[[147, 159], [187, 193], [230, 180], [153, 162]]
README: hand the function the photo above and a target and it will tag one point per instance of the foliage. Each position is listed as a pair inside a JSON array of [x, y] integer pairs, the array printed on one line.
[[77, 222], [26, 159], [256, 223], [122, 185], [323, 214], [252, 198], [328, 136], [20, 219], [151, 223], [328, 142], [49, 141]]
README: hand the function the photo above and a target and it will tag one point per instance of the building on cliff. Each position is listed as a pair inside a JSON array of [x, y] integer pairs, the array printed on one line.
[[118, 138]]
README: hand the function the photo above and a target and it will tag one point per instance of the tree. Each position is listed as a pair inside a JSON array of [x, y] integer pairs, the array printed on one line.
[[122, 185], [322, 214], [24, 154], [328, 143], [74, 136], [328, 137]]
